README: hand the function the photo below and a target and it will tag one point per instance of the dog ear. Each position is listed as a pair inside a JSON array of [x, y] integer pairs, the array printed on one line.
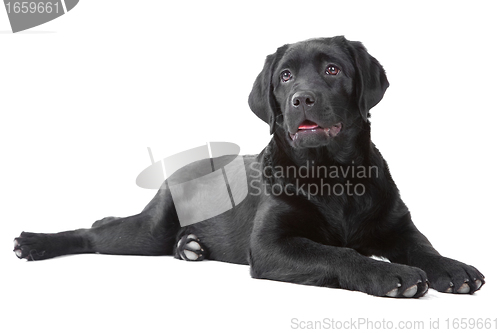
[[261, 99], [371, 81]]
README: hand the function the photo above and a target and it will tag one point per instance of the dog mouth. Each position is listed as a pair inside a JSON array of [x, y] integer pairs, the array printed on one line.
[[308, 127]]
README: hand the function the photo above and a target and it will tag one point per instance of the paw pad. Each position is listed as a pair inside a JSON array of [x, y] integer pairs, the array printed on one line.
[[465, 288], [415, 290], [189, 248], [410, 292]]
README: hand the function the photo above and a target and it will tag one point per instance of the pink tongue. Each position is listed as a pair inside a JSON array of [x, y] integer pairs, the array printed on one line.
[[308, 125]]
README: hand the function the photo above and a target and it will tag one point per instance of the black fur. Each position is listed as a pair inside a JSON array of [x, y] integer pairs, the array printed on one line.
[[301, 236]]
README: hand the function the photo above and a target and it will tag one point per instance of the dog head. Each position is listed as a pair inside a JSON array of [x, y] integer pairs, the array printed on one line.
[[317, 89]]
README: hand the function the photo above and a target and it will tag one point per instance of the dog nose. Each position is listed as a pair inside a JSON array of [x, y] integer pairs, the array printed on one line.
[[303, 99]]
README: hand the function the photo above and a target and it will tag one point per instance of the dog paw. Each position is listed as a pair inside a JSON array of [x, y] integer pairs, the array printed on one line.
[[390, 280], [451, 276], [31, 246], [189, 248]]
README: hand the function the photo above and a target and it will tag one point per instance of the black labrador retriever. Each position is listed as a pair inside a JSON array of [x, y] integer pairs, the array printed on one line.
[[318, 226]]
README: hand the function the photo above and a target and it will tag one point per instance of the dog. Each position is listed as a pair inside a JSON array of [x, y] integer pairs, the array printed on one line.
[[313, 228]]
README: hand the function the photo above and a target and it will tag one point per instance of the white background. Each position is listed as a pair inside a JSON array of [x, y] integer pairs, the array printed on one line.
[[82, 97]]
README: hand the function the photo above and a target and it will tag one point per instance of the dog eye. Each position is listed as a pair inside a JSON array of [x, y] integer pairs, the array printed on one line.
[[285, 75], [332, 70]]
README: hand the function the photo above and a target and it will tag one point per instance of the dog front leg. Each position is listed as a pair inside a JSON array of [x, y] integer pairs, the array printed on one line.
[[445, 274], [276, 254]]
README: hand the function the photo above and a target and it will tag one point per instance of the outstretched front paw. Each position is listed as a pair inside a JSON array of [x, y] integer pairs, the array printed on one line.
[[451, 276], [390, 280], [189, 248]]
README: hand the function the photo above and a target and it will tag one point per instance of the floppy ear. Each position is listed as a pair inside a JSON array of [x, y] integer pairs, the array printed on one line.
[[371, 81], [261, 99]]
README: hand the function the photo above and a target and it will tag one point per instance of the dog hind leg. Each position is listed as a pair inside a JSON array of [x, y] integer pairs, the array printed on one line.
[[152, 232]]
